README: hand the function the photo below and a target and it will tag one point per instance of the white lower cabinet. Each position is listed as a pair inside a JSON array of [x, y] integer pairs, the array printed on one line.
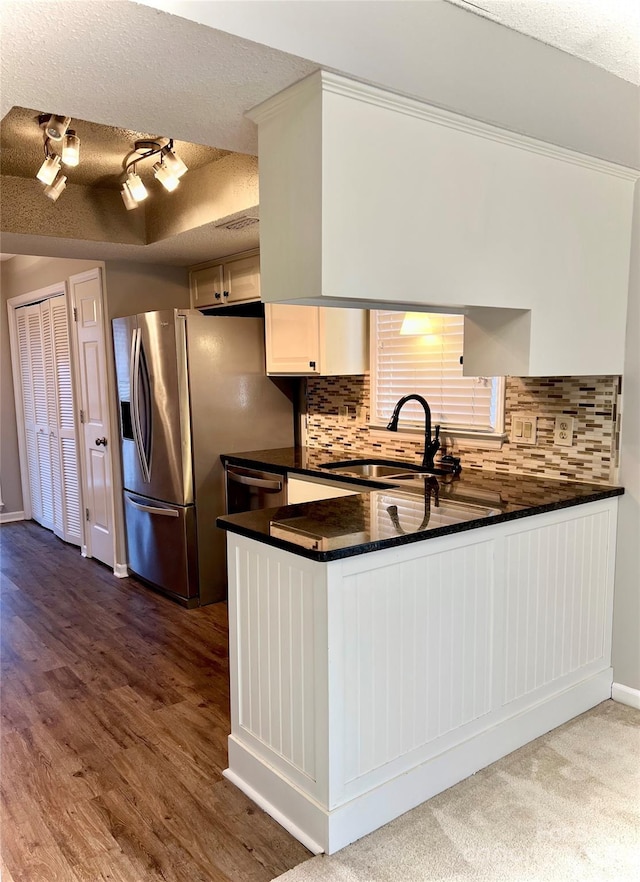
[[301, 489], [362, 687], [308, 340]]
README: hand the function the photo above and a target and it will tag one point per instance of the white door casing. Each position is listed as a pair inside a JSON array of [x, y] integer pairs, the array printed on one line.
[[95, 430]]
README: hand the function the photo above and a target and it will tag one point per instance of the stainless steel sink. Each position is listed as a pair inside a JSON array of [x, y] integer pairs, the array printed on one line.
[[371, 468]]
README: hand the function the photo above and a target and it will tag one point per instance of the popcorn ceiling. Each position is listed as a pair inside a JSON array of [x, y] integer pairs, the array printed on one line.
[[593, 402]]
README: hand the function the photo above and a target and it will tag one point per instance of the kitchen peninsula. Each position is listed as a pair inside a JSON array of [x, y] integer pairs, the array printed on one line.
[[385, 645]]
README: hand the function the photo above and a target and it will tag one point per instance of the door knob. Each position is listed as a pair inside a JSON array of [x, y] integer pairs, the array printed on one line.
[[101, 441]]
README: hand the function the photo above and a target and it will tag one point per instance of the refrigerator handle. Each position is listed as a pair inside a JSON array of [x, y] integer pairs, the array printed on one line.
[[134, 380], [152, 509]]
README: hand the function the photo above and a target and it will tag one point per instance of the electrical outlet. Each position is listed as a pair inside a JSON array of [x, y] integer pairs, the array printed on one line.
[[523, 428], [563, 433], [361, 414], [343, 410]]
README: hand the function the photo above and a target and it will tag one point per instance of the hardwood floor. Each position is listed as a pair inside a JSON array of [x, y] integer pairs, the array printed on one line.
[[115, 715]]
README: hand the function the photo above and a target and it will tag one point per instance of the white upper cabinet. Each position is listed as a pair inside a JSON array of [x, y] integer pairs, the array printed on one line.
[[368, 198], [235, 279], [311, 340]]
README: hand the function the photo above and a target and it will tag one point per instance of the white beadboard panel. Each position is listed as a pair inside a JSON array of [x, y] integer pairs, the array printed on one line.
[[555, 605], [417, 655], [277, 656]]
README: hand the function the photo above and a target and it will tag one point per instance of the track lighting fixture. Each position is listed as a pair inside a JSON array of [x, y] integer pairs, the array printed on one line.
[[168, 171], [55, 129]]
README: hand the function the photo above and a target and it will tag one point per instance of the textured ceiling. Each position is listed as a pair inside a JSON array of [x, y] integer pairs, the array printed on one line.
[[125, 65], [603, 32], [193, 75], [102, 150]]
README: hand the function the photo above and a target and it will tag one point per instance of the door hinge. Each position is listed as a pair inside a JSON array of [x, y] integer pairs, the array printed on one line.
[[86, 514], [82, 416], [75, 313]]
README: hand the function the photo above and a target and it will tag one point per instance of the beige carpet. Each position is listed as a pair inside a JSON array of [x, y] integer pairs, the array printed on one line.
[[565, 807]]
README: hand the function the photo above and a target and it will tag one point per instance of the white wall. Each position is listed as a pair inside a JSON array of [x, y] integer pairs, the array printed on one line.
[[20, 275]]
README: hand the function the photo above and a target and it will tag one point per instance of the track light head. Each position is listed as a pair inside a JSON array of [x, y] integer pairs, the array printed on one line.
[[55, 127], [49, 169], [54, 190], [172, 161], [136, 187], [129, 202], [71, 148], [168, 180]]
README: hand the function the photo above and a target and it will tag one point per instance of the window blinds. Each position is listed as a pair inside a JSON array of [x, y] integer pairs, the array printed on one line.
[[427, 364]]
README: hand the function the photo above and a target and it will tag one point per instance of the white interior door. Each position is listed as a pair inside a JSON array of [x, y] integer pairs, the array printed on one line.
[[44, 359], [64, 458], [29, 341], [86, 298]]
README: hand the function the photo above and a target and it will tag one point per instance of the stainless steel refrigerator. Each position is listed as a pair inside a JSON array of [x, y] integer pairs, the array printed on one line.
[[190, 387]]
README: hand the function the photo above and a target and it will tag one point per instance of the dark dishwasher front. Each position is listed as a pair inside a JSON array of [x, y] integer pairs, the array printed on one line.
[[253, 489]]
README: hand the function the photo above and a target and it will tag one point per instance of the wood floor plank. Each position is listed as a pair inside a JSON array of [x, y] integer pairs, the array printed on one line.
[[115, 718]]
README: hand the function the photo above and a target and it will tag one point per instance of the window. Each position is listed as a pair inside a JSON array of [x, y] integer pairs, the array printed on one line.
[[420, 353]]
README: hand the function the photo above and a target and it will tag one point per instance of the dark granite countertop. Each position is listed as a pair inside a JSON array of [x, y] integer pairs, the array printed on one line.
[[383, 515]]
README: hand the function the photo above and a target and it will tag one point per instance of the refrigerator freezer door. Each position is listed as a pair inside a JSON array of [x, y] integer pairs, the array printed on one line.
[[160, 425], [125, 334], [162, 544]]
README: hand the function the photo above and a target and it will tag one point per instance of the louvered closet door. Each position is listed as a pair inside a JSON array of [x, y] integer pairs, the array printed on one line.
[[69, 459], [50, 440], [47, 398], [36, 401], [69, 527], [29, 338]]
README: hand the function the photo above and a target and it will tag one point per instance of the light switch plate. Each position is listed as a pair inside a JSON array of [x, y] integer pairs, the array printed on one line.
[[563, 433], [523, 428]]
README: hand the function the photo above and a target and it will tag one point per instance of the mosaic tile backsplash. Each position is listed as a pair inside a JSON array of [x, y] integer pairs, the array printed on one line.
[[593, 402]]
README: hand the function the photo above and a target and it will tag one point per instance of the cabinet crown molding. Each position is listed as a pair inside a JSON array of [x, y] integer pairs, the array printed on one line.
[[323, 81]]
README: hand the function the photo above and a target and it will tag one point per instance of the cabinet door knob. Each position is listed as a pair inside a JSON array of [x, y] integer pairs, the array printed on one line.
[[217, 295], [312, 364], [101, 441], [225, 293]]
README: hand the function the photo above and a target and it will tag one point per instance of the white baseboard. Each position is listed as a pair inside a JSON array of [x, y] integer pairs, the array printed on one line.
[[7, 517], [120, 570], [267, 806], [626, 695], [320, 829]]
